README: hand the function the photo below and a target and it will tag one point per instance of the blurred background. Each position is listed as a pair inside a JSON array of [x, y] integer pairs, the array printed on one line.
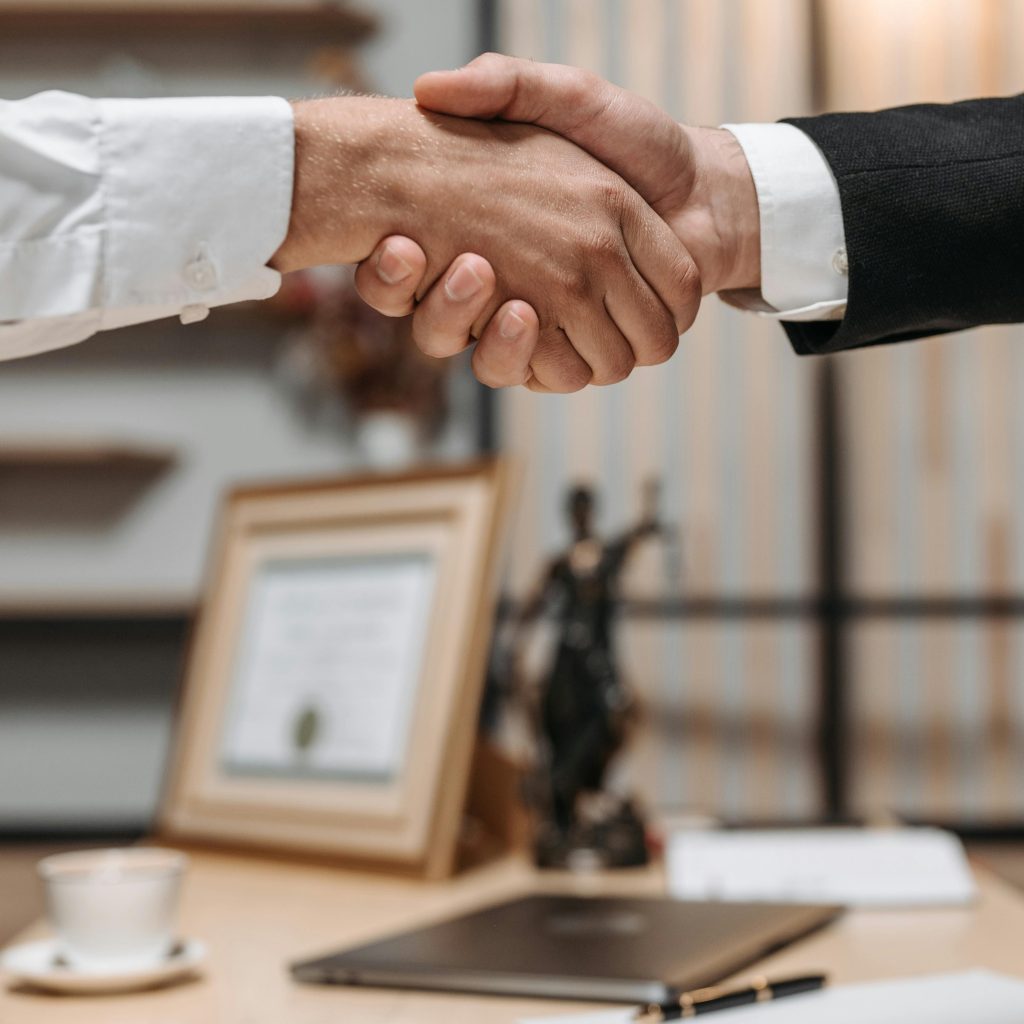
[[834, 629]]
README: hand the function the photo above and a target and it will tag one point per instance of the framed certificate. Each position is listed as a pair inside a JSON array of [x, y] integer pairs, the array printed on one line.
[[332, 691], [328, 667]]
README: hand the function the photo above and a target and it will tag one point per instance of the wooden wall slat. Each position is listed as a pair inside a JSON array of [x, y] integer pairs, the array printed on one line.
[[935, 462], [725, 425]]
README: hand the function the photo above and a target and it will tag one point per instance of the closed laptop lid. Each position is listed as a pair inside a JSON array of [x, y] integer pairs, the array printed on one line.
[[613, 948]]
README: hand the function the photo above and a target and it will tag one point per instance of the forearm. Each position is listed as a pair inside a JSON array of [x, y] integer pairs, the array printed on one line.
[[877, 227], [367, 167], [933, 212], [119, 211]]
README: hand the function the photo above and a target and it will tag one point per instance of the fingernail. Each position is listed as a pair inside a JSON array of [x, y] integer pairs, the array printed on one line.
[[391, 267], [463, 283], [512, 325]]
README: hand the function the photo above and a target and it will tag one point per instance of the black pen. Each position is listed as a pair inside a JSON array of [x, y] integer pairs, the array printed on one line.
[[707, 1000]]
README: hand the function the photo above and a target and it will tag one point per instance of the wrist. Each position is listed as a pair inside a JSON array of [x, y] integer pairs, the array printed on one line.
[[724, 235], [341, 196]]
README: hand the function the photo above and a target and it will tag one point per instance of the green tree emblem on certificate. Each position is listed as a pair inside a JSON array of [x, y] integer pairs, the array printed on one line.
[[307, 727]]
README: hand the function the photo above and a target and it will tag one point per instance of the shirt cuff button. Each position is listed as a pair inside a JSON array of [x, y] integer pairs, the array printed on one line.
[[194, 313], [200, 273], [840, 264]]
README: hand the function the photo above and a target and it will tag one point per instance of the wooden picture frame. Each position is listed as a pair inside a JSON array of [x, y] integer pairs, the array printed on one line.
[[395, 573]]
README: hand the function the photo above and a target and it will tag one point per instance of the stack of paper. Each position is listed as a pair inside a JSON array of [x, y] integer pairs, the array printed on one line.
[[975, 997], [853, 867]]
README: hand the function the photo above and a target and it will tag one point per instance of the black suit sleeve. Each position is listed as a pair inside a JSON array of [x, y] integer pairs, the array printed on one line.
[[933, 211]]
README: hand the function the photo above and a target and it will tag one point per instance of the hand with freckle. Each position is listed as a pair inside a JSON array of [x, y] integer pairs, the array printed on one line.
[[537, 237], [696, 179]]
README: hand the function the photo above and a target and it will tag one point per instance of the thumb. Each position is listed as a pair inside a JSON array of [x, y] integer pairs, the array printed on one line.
[[511, 88], [482, 89], [632, 136]]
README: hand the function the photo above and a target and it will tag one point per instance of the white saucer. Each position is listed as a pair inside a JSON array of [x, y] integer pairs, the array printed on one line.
[[38, 964]]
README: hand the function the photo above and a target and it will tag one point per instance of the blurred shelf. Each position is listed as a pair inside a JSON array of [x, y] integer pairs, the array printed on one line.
[[115, 605], [93, 453], [323, 23]]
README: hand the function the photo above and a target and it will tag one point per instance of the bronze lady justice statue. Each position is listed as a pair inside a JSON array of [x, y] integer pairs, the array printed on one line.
[[584, 706]]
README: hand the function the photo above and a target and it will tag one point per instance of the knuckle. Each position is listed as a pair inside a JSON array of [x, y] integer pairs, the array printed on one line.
[[690, 281], [626, 365], [490, 57], [574, 281], [565, 378], [688, 292], [558, 366], [633, 210], [573, 376], [616, 369], [660, 346], [606, 248], [612, 194], [583, 85]]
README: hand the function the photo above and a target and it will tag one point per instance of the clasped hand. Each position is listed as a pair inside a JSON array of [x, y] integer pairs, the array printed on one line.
[[568, 227]]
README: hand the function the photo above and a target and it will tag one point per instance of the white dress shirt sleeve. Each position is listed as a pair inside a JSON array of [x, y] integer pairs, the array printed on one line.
[[803, 245], [113, 212]]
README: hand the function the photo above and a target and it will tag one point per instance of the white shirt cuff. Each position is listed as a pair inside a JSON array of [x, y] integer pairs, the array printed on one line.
[[197, 198], [803, 244]]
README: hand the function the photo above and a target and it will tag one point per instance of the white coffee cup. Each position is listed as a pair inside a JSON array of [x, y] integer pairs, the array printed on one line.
[[114, 910]]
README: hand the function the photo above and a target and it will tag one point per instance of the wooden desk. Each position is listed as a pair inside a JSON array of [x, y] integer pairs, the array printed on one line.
[[258, 915]]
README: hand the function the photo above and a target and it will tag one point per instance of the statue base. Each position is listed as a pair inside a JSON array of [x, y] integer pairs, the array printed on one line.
[[616, 841]]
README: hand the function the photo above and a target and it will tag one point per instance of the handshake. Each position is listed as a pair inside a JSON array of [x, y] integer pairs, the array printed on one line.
[[569, 227]]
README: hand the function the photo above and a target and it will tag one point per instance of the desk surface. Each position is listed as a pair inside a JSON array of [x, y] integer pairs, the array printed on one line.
[[258, 915]]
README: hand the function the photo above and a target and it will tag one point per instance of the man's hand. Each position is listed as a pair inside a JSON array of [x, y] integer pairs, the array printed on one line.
[[697, 179], [610, 284]]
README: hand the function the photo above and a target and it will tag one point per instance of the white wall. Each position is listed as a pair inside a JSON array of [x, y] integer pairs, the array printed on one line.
[[415, 36], [418, 36], [229, 416], [85, 714]]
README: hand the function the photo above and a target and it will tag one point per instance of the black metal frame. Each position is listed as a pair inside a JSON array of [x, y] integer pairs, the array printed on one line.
[[833, 609], [487, 437], [833, 732]]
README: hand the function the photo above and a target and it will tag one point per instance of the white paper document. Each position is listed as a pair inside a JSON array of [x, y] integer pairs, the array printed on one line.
[[853, 867], [974, 997], [328, 667]]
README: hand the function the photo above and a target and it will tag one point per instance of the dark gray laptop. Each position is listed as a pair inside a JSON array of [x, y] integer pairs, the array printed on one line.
[[608, 949]]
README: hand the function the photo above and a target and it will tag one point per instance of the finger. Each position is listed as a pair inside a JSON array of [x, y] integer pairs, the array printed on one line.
[[502, 356], [556, 365], [608, 122], [665, 264], [643, 318], [390, 276], [443, 321], [601, 344]]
